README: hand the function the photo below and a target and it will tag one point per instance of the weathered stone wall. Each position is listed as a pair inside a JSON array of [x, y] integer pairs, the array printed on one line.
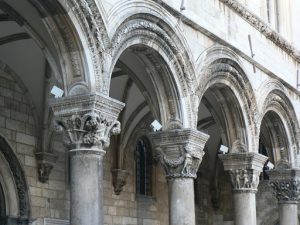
[[129, 208], [214, 200], [266, 205], [51, 200], [18, 126]]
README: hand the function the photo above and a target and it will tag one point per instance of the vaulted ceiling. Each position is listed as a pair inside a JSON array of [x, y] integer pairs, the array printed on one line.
[[26, 47]]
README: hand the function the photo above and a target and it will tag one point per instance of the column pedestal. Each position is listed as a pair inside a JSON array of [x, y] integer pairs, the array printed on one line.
[[86, 186]]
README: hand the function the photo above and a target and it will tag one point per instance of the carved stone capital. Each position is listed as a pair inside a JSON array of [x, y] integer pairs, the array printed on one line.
[[244, 170], [180, 151], [244, 180], [119, 179], [285, 183], [45, 163], [87, 121]]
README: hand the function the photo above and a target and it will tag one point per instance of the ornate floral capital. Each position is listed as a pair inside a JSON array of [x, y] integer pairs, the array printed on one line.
[[285, 183], [87, 121], [244, 169], [180, 151]]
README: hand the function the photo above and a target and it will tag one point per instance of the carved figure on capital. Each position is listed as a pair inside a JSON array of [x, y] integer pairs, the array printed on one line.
[[244, 179]]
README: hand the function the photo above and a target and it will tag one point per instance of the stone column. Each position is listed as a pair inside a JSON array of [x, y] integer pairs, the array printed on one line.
[[87, 122], [284, 181], [180, 152], [244, 169]]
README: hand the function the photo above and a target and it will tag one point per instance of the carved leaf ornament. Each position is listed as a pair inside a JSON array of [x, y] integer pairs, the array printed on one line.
[[90, 130]]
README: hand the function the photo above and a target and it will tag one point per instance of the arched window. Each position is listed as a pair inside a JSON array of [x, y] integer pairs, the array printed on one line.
[[143, 158]]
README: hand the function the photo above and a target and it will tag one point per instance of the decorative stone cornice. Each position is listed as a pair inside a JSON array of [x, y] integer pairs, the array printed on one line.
[[45, 163], [263, 28], [244, 169], [119, 179], [180, 151], [285, 183], [87, 121]]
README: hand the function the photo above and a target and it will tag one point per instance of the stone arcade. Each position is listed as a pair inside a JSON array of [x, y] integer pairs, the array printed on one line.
[[216, 74]]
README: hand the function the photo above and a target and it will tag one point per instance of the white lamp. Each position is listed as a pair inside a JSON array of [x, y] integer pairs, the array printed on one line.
[[57, 92], [223, 149], [155, 125]]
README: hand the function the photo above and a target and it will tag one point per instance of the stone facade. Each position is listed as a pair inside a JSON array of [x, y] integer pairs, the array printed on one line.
[[215, 74]]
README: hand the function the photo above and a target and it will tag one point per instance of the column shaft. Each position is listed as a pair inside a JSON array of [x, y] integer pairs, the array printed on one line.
[[244, 208], [182, 202], [244, 169], [180, 152], [87, 123], [86, 187], [288, 214]]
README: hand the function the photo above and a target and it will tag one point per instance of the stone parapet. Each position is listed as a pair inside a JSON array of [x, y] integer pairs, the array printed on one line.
[[180, 151]]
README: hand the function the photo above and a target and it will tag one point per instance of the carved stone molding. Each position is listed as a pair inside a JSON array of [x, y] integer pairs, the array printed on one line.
[[150, 33], [45, 163], [244, 169], [263, 28], [119, 179], [19, 178], [180, 151], [89, 16], [285, 183], [87, 121]]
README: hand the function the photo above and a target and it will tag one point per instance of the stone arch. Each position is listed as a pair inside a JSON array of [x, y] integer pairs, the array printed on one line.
[[276, 107], [78, 38], [12, 179], [219, 67], [88, 20], [149, 32], [152, 11]]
